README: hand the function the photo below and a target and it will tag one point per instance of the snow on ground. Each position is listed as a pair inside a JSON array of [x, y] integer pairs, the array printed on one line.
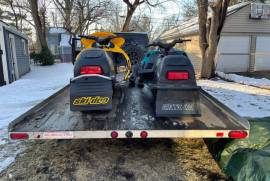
[[22, 95], [262, 83], [245, 100]]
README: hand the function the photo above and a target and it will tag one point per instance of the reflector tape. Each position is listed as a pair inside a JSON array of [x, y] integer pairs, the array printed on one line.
[[91, 70], [175, 75]]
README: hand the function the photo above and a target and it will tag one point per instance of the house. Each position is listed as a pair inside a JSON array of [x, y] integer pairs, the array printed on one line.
[[244, 45], [14, 54], [58, 42]]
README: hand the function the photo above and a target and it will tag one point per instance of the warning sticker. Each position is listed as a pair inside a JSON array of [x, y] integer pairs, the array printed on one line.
[[58, 135]]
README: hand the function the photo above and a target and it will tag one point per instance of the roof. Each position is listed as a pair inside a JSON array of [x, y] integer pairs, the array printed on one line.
[[13, 30], [191, 26], [56, 30]]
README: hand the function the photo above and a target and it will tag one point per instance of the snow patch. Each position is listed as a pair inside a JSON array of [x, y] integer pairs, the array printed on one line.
[[20, 96], [261, 83], [247, 101]]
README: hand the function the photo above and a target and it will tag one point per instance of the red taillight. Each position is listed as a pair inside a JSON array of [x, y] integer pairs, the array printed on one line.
[[238, 134], [19, 136], [91, 70], [144, 134], [114, 134], [176, 75]]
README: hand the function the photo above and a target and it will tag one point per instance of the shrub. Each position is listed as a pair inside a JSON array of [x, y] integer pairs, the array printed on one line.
[[45, 57]]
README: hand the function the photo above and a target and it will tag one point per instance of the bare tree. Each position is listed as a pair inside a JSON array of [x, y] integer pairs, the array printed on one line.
[[78, 15], [15, 13], [209, 32], [190, 8], [132, 6]]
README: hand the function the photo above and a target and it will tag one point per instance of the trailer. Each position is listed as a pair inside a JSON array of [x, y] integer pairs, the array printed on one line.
[[132, 116]]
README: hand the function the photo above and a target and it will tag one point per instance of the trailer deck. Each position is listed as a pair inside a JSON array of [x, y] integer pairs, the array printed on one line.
[[132, 116]]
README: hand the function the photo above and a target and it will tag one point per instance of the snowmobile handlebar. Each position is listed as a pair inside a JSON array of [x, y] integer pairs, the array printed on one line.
[[167, 46], [101, 41]]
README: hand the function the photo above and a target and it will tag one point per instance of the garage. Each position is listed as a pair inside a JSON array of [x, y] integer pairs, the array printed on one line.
[[233, 54], [244, 45], [262, 55]]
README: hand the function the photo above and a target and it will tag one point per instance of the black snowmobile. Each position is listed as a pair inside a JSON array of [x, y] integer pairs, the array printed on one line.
[[95, 72], [103, 56], [170, 75]]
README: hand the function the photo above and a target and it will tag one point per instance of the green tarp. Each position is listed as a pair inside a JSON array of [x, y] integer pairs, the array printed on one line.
[[245, 159]]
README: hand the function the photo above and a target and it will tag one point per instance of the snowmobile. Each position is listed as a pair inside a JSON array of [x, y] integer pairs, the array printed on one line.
[[168, 72], [95, 70]]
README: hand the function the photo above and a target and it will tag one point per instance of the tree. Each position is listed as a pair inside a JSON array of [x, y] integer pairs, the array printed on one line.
[[132, 6], [15, 13], [190, 8], [210, 28], [39, 19], [78, 15]]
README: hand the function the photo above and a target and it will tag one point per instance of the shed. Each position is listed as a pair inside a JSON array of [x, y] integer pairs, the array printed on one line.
[[244, 45], [14, 54]]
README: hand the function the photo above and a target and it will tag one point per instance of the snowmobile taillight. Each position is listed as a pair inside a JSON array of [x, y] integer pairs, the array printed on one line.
[[114, 134], [177, 75], [91, 70], [19, 136], [144, 134], [238, 134]]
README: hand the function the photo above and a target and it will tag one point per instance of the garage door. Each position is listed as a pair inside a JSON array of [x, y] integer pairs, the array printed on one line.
[[233, 54], [262, 56]]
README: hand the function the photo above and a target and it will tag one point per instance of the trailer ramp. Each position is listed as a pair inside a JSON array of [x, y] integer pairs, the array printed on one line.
[[132, 117]]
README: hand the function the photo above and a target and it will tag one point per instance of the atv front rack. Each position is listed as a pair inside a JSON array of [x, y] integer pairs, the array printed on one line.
[[132, 117]]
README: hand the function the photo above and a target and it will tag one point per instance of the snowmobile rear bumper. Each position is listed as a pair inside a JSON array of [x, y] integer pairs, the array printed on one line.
[[91, 93]]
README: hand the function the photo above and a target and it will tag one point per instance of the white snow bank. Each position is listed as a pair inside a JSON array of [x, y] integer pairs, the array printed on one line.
[[22, 95], [247, 101], [262, 83]]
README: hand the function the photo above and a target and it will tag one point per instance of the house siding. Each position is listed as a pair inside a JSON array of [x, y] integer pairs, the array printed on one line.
[[194, 53], [239, 22]]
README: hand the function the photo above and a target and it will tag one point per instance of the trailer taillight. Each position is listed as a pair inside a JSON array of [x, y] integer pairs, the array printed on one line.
[[114, 134], [91, 70], [177, 75], [144, 134], [19, 136], [238, 134]]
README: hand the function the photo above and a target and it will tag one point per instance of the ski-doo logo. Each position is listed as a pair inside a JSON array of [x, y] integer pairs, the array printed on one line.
[[91, 100]]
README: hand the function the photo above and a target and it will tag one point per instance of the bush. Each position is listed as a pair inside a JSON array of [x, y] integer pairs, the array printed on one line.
[[33, 56], [45, 57]]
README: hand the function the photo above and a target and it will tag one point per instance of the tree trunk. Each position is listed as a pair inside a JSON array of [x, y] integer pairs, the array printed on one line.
[[38, 24], [209, 36], [128, 19], [203, 8]]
